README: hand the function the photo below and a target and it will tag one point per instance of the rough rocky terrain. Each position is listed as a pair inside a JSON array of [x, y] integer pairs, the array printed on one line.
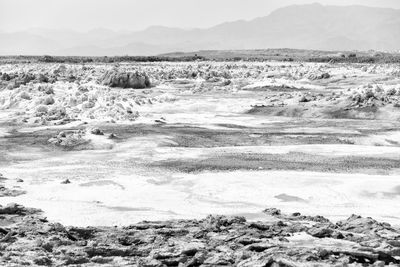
[[58, 93], [28, 238]]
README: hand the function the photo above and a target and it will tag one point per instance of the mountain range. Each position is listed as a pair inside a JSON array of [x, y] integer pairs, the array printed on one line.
[[312, 26]]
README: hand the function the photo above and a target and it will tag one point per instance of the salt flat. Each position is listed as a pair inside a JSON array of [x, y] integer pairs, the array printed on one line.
[[233, 140]]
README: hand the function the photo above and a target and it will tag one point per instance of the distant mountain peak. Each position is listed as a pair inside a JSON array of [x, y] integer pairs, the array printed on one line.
[[309, 26]]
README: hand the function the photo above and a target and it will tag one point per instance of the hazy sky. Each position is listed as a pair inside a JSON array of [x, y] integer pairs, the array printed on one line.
[[138, 14]]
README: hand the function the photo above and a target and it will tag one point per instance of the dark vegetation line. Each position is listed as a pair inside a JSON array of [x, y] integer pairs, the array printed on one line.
[[288, 55], [87, 59]]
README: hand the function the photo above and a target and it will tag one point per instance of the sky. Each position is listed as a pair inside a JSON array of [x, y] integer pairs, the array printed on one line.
[[132, 15]]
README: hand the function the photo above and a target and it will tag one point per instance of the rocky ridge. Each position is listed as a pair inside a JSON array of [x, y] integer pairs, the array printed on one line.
[[28, 238]]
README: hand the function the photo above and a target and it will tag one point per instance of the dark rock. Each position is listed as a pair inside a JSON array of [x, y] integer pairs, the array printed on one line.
[[325, 75], [272, 211], [101, 260], [111, 251], [190, 249], [216, 222], [69, 260], [42, 261], [160, 121], [304, 99], [260, 226], [358, 224], [320, 231], [246, 240], [112, 136], [337, 235], [14, 208], [128, 240], [259, 247], [82, 233], [96, 131]]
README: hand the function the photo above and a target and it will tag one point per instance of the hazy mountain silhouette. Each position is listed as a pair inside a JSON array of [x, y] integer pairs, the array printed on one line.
[[311, 26]]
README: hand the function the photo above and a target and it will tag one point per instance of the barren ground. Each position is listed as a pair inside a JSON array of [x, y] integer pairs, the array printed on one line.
[[207, 138]]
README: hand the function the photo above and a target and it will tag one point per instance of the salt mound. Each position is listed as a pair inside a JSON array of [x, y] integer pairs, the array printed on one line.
[[135, 80]]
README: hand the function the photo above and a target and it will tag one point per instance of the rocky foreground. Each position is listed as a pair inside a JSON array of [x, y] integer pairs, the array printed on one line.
[[28, 238]]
